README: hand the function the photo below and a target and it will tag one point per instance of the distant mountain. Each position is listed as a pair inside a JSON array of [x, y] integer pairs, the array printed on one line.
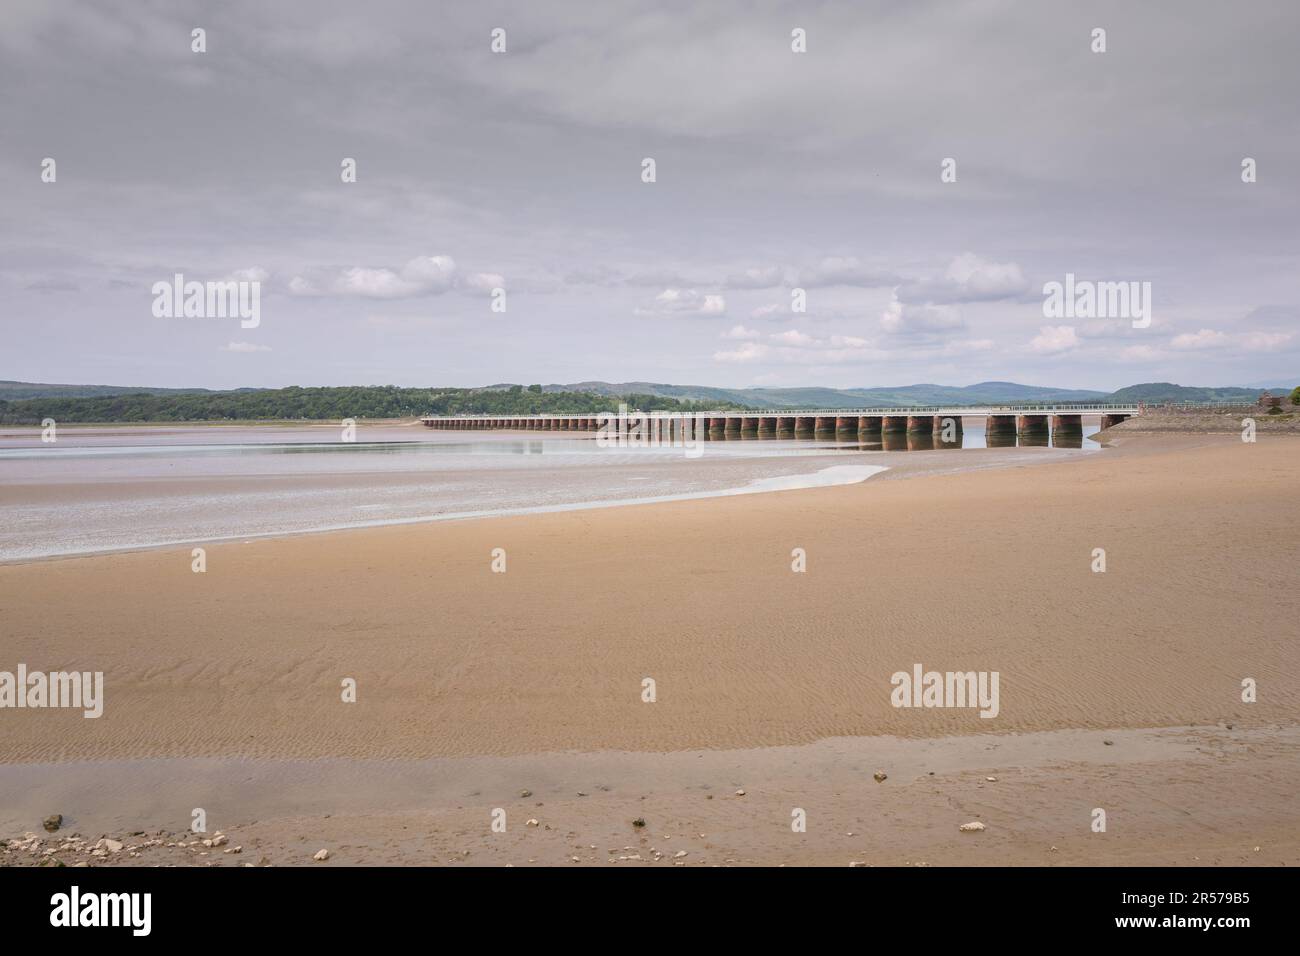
[[1168, 392], [896, 397], [14, 391]]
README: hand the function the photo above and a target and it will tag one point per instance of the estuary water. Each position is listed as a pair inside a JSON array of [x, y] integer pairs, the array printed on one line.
[[110, 488]]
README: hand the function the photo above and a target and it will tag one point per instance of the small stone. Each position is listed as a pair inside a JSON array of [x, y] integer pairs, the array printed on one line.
[[52, 822], [525, 794], [880, 776], [857, 863], [220, 839], [639, 822], [679, 854], [973, 827], [991, 779], [321, 855], [532, 822], [740, 793], [1109, 743]]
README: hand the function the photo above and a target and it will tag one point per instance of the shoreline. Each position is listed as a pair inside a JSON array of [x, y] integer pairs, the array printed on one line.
[[1034, 793]]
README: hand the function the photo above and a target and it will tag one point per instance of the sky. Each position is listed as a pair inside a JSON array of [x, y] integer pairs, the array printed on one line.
[[774, 171]]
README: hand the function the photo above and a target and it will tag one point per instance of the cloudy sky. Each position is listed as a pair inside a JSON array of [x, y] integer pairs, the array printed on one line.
[[775, 170]]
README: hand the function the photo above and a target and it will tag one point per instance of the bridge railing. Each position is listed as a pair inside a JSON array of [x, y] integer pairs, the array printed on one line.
[[1070, 407]]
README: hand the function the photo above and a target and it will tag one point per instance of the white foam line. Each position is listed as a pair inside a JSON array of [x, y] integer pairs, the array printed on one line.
[[825, 478]]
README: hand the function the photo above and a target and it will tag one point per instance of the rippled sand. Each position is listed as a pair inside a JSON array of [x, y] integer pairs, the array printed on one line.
[[983, 570]]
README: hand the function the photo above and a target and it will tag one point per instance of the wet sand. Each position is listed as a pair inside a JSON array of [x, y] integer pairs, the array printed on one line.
[[982, 570]]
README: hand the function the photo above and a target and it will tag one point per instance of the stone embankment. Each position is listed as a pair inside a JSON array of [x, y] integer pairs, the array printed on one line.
[[1208, 421]]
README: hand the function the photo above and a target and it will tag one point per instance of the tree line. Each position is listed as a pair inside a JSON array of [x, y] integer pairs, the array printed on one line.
[[331, 403]]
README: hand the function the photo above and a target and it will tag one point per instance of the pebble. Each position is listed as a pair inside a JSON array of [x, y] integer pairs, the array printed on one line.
[[531, 823], [973, 827], [880, 776], [52, 822], [679, 854], [321, 855], [740, 793]]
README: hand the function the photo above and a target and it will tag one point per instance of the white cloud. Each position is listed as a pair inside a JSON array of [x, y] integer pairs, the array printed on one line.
[[749, 352], [244, 347], [485, 281], [793, 347], [762, 278], [421, 276], [1204, 339], [900, 318], [686, 302], [794, 338], [1052, 339], [968, 278], [740, 332], [845, 270]]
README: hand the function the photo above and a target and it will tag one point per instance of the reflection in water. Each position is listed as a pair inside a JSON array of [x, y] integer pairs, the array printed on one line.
[[975, 438]]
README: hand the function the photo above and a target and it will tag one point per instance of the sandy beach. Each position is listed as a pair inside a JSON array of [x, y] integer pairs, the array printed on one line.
[[1119, 689]]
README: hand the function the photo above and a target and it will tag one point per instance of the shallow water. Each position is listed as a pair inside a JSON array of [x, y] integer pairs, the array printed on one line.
[[116, 488]]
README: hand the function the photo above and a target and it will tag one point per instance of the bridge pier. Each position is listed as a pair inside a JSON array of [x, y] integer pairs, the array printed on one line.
[[1031, 424], [948, 431], [1004, 425]]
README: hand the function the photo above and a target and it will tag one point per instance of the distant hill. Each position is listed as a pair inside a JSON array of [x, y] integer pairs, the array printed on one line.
[[24, 403], [887, 397], [1168, 392], [14, 391]]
